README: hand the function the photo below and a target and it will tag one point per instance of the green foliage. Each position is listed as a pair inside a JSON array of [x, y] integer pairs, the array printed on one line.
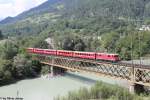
[[1, 35], [36, 66], [45, 70], [81, 25], [15, 63], [101, 91], [24, 67], [5, 71], [110, 40], [140, 45], [39, 43], [75, 44], [8, 50], [68, 44], [79, 12]]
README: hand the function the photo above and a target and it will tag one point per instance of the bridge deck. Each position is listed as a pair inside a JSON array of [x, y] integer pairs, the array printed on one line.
[[142, 62]]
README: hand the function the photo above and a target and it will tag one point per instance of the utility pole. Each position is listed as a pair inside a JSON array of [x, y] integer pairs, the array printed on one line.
[[132, 54], [132, 47], [140, 47]]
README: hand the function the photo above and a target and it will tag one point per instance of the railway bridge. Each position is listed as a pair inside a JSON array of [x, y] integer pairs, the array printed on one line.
[[135, 74]]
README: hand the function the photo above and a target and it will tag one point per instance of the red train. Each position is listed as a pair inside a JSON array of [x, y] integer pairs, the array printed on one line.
[[76, 54]]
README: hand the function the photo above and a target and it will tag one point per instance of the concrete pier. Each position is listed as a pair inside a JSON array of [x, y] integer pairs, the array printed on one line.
[[136, 88], [132, 88], [52, 70]]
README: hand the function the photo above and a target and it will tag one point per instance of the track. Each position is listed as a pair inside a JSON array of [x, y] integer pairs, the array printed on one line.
[[120, 63]]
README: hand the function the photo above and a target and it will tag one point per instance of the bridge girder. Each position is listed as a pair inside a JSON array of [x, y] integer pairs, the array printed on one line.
[[136, 74]]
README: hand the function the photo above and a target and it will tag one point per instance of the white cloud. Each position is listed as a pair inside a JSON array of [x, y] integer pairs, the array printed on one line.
[[5, 10], [14, 7]]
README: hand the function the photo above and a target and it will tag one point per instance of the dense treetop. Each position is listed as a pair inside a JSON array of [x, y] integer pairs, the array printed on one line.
[[84, 25], [84, 11]]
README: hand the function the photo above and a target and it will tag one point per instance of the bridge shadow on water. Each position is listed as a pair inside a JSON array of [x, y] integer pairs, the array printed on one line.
[[80, 78]]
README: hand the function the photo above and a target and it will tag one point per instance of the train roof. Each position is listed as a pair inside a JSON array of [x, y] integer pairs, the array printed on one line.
[[107, 53], [77, 51]]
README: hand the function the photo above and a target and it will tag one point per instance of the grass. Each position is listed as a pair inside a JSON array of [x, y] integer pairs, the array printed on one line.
[[102, 91]]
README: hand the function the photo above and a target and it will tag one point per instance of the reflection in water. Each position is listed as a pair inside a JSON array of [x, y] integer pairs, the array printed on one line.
[[80, 78]]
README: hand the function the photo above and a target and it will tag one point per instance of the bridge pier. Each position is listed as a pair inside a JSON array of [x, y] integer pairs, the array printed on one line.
[[139, 88], [132, 88], [52, 71], [136, 88]]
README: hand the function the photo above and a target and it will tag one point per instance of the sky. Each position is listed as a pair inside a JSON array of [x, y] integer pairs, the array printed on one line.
[[15, 7]]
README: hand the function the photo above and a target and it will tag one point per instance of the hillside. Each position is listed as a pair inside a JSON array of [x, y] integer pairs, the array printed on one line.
[[109, 26], [36, 19], [85, 25], [117, 8], [43, 8]]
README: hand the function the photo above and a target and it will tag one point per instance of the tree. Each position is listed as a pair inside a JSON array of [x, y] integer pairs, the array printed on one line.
[[24, 67], [76, 44], [9, 50], [110, 40], [68, 44], [1, 35], [5, 71], [79, 45], [39, 42]]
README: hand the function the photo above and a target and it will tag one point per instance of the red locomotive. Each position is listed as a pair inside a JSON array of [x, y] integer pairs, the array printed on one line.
[[106, 56], [76, 54]]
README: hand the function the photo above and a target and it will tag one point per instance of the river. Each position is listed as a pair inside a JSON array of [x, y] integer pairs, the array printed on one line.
[[48, 88]]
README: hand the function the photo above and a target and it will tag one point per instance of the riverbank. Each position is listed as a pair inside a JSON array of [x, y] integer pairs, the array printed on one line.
[[102, 91]]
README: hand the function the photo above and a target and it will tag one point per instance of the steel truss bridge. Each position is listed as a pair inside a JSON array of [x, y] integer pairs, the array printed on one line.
[[133, 73]]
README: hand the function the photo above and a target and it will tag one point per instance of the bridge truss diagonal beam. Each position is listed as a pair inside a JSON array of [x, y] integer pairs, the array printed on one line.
[[115, 70]]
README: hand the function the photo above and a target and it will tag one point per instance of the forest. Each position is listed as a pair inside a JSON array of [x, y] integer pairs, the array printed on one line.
[[84, 25]]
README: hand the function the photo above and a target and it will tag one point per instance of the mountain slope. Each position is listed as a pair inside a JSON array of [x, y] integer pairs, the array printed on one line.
[[117, 8], [46, 7], [38, 18]]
